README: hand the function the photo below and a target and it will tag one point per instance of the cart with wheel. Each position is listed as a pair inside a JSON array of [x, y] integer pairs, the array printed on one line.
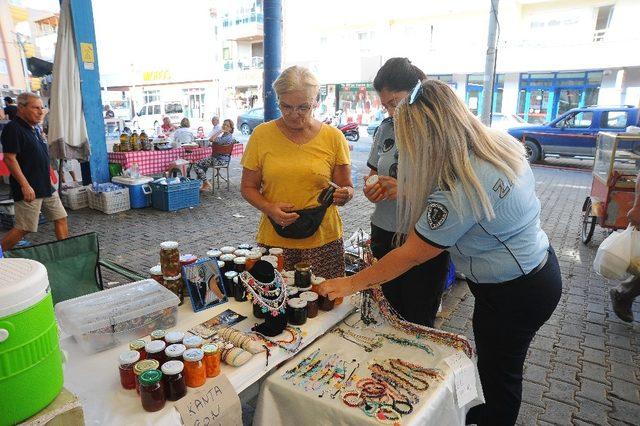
[[616, 166]]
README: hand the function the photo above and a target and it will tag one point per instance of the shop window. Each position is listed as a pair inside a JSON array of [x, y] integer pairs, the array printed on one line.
[[150, 110], [226, 53], [156, 109], [603, 19], [614, 119]]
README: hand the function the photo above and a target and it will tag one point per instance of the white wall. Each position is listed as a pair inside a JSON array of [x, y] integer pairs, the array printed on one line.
[[510, 93]]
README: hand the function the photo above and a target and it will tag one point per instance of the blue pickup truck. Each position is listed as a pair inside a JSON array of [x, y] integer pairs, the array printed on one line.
[[573, 134]]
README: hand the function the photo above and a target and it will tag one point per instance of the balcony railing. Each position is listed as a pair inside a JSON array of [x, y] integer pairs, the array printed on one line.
[[256, 62], [253, 17]]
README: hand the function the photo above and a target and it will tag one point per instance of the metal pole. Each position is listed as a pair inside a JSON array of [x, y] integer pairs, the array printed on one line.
[[490, 65], [272, 55], [23, 58]]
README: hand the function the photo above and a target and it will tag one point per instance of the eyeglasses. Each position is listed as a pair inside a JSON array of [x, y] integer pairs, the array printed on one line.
[[288, 109], [416, 93]]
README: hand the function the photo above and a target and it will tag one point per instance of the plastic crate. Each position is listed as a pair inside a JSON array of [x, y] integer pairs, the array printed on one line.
[[177, 196], [75, 198], [8, 221], [109, 202]]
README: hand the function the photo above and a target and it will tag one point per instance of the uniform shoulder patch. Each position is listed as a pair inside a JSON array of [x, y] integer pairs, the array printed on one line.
[[436, 214]]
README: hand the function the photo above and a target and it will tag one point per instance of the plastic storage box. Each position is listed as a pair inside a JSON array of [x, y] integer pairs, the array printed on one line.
[[110, 202], [108, 318], [8, 216], [176, 196], [139, 190], [75, 198]]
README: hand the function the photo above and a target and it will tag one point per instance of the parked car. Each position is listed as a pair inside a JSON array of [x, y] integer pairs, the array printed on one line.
[[149, 117], [506, 121], [247, 121], [573, 134]]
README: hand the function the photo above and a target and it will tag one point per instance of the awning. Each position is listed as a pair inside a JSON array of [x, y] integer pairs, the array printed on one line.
[[39, 67]]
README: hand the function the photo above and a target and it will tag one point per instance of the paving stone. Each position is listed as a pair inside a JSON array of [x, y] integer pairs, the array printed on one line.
[[594, 355], [536, 373], [528, 415], [621, 355], [543, 343], [625, 390], [565, 373], [596, 317], [561, 391], [592, 412], [573, 330], [532, 393], [625, 411], [595, 329], [594, 342], [594, 391], [539, 357], [625, 372], [620, 341], [566, 356], [557, 412], [594, 372]]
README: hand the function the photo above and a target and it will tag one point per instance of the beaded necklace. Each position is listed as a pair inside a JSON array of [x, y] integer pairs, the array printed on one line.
[[365, 342], [406, 382], [411, 369], [260, 292], [406, 342]]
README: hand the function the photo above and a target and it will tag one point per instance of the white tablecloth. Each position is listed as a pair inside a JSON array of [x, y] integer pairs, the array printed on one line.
[[282, 403], [96, 381]]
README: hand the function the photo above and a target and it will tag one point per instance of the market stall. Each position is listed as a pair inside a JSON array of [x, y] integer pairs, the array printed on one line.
[[156, 162]]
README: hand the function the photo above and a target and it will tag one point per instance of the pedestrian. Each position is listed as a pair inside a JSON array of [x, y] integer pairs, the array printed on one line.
[[27, 158], [108, 112], [416, 294], [624, 294], [468, 189], [287, 165], [10, 109]]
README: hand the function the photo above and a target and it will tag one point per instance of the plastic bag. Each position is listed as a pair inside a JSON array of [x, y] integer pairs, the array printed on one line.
[[618, 254]]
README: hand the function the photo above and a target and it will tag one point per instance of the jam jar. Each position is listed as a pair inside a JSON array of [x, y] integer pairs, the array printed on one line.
[[312, 303], [315, 283], [142, 366], [325, 303], [174, 352], [194, 368], [169, 259], [173, 337], [278, 253], [151, 391], [241, 252], [126, 362], [175, 386], [156, 273], [252, 258], [155, 350], [245, 246], [239, 264], [175, 285], [292, 291], [211, 359], [158, 334], [138, 345], [297, 311], [192, 341], [227, 249], [271, 259], [228, 262], [214, 253], [302, 276], [229, 287], [239, 291]]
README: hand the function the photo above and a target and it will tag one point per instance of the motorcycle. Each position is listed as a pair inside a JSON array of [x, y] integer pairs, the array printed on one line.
[[350, 131]]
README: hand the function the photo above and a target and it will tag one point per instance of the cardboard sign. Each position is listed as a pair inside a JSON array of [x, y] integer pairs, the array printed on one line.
[[214, 404], [86, 51], [464, 375]]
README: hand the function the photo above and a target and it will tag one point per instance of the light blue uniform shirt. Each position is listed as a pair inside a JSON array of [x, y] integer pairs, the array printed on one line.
[[489, 251], [383, 158]]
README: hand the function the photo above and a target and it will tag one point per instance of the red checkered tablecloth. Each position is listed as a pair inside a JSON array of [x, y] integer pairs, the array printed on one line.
[[157, 162]]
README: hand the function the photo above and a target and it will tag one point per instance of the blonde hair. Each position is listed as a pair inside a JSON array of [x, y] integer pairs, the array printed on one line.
[[436, 136], [296, 78]]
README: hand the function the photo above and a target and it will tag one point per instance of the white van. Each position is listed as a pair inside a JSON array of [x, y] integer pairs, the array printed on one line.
[[150, 115]]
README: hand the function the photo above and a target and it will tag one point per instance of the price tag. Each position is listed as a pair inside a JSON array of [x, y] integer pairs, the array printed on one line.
[[464, 375], [215, 403]]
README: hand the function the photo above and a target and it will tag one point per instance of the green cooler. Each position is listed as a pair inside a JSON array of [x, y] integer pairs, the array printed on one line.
[[30, 360]]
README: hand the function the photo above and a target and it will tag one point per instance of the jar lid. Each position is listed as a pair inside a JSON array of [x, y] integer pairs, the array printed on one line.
[[235, 280], [176, 350], [241, 260], [241, 252], [137, 345], [193, 355], [302, 266], [220, 264], [171, 368], [254, 255], [192, 341], [150, 377], [309, 296], [158, 334], [174, 337], [176, 278], [288, 274], [230, 274], [214, 253], [144, 365], [209, 348], [188, 258], [317, 280], [227, 249], [291, 291], [262, 250], [23, 283], [297, 303], [227, 257], [129, 357], [155, 346], [245, 246], [276, 251], [169, 245], [156, 270]]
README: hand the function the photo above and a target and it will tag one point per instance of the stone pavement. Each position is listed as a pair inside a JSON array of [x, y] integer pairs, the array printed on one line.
[[582, 367]]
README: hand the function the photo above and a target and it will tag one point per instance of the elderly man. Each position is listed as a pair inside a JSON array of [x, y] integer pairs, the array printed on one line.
[[216, 130], [27, 157]]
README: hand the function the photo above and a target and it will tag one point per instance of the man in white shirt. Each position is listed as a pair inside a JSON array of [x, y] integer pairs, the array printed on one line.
[[217, 129]]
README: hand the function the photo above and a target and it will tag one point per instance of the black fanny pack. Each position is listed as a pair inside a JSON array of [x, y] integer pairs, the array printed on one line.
[[310, 219]]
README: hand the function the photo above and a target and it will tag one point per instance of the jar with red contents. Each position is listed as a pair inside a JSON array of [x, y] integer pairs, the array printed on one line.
[[138, 346], [155, 350], [195, 371], [175, 386], [126, 362], [173, 337], [252, 258], [169, 259], [212, 358], [152, 391], [158, 334], [141, 367], [156, 273], [278, 253], [312, 303]]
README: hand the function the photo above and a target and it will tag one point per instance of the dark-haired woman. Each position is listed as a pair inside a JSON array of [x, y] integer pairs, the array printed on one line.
[[410, 294]]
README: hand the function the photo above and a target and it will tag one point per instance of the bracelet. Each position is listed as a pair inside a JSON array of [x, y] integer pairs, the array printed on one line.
[[347, 398], [402, 407]]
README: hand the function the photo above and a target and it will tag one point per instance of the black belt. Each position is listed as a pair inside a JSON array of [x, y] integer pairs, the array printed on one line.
[[540, 266]]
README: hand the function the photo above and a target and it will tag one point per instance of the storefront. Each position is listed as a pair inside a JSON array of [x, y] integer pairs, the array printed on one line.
[[359, 102], [474, 93], [544, 96]]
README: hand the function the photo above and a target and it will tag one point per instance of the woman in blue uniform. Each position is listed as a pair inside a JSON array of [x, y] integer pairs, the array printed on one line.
[[469, 190]]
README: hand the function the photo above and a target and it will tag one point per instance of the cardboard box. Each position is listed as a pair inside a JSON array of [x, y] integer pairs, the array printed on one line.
[[65, 410]]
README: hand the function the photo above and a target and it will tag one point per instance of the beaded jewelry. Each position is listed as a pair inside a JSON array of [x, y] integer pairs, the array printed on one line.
[[349, 401], [365, 342], [406, 342], [260, 292]]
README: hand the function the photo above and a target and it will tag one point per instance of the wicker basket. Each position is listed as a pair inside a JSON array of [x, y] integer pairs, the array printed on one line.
[[109, 202], [75, 198]]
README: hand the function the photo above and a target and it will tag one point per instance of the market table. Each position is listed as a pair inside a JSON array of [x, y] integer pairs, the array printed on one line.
[[156, 162], [94, 378], [284, 400]]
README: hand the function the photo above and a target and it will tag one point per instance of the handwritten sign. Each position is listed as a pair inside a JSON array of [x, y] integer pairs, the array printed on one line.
[[214, 404], [86, 50], [464, 378]]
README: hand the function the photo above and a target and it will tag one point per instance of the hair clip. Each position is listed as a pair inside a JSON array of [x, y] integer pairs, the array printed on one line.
[[416, 93]]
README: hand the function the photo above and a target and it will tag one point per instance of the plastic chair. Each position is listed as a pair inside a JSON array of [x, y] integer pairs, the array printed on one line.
[[218, 150], [73, 265]]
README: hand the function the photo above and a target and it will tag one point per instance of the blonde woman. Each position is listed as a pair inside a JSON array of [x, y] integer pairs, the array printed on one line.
[[183, 135], [287, 165], [467, 189]]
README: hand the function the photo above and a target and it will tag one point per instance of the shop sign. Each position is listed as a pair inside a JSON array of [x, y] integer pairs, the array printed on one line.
[[156, 75], [356, 87], [216, 403]]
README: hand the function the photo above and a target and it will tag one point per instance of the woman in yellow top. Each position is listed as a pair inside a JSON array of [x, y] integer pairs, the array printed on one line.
[[287, 164]]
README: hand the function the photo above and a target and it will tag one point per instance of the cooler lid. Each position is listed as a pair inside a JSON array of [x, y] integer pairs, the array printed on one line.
[[23, 283], [131, 181]]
